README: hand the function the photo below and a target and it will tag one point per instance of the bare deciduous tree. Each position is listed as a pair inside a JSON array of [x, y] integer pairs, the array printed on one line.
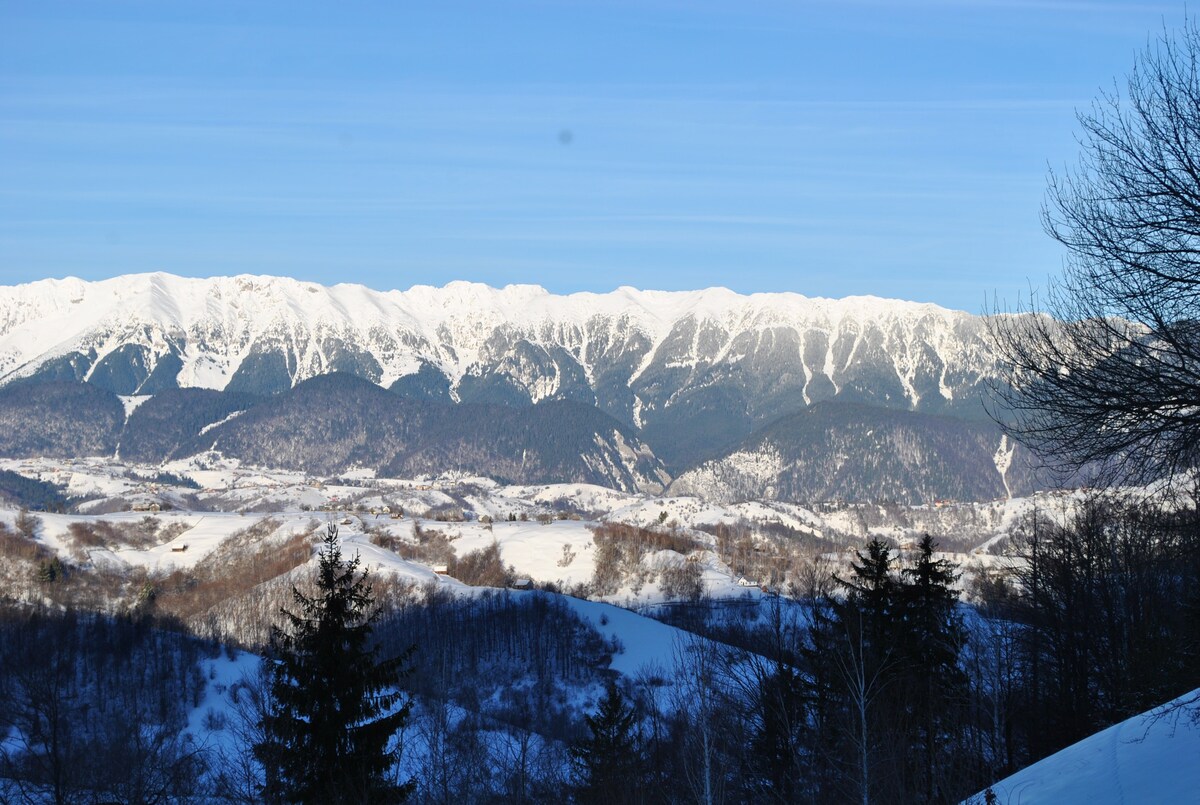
[[698, 696], [1106, 369]]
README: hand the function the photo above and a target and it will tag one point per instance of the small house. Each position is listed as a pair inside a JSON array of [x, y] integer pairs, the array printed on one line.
[[745, 582]]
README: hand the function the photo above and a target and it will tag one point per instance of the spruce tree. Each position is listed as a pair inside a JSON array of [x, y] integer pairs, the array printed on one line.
[[932, 639], [775, 747], [335, 704], [609, 762], [872, 601], [866, 657]]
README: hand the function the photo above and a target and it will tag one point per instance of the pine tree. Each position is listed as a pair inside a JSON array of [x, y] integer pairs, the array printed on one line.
[[609, 762], [780, 703], [827, 702], [335, 704]]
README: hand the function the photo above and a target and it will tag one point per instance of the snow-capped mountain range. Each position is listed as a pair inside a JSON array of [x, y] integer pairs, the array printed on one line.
[[465, 329], [657, 344], [634, 354]]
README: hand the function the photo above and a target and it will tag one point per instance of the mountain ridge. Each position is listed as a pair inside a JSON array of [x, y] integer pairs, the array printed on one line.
[[188, 304], [691, 374], [695, 371]]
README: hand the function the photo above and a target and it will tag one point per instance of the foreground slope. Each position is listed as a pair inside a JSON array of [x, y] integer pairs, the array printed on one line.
[[1148, 758]]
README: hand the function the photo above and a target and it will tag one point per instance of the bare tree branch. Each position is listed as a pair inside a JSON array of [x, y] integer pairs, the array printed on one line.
[[1104, 368]]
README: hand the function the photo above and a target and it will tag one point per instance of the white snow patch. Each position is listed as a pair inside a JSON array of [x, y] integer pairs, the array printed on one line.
[[647, 642], [1003, 460], [131, 403], [220, 422]]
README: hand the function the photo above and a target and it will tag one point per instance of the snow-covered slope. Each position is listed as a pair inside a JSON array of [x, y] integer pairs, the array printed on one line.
[[646, 357], [1150, 758]]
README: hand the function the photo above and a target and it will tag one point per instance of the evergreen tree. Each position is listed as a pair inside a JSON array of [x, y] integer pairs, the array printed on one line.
[[872, 585], [609, 762], [872, 606], [335, 704], [886, 689], [865, 657], [775, 748], [932, 639], [779, 709], [827, 703]]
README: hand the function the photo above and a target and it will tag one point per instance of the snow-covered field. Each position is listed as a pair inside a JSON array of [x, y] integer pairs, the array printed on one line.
[[544, 533], [106, 485]]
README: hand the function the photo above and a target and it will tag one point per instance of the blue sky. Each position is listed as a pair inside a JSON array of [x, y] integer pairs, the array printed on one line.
[[829, 148]]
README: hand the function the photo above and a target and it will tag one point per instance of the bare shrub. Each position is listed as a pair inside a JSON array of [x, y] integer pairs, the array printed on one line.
[[145, 533], [609, 557], [481, 568], [88, 535], [27, 524], [15, 546], [445, 514], [239, 564], [428, 545], [683, 581], [620, 548], [646, 538], [173, 530]]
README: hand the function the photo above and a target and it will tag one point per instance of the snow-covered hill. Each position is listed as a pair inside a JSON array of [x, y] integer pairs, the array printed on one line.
[[543, 532], [692, 368]]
